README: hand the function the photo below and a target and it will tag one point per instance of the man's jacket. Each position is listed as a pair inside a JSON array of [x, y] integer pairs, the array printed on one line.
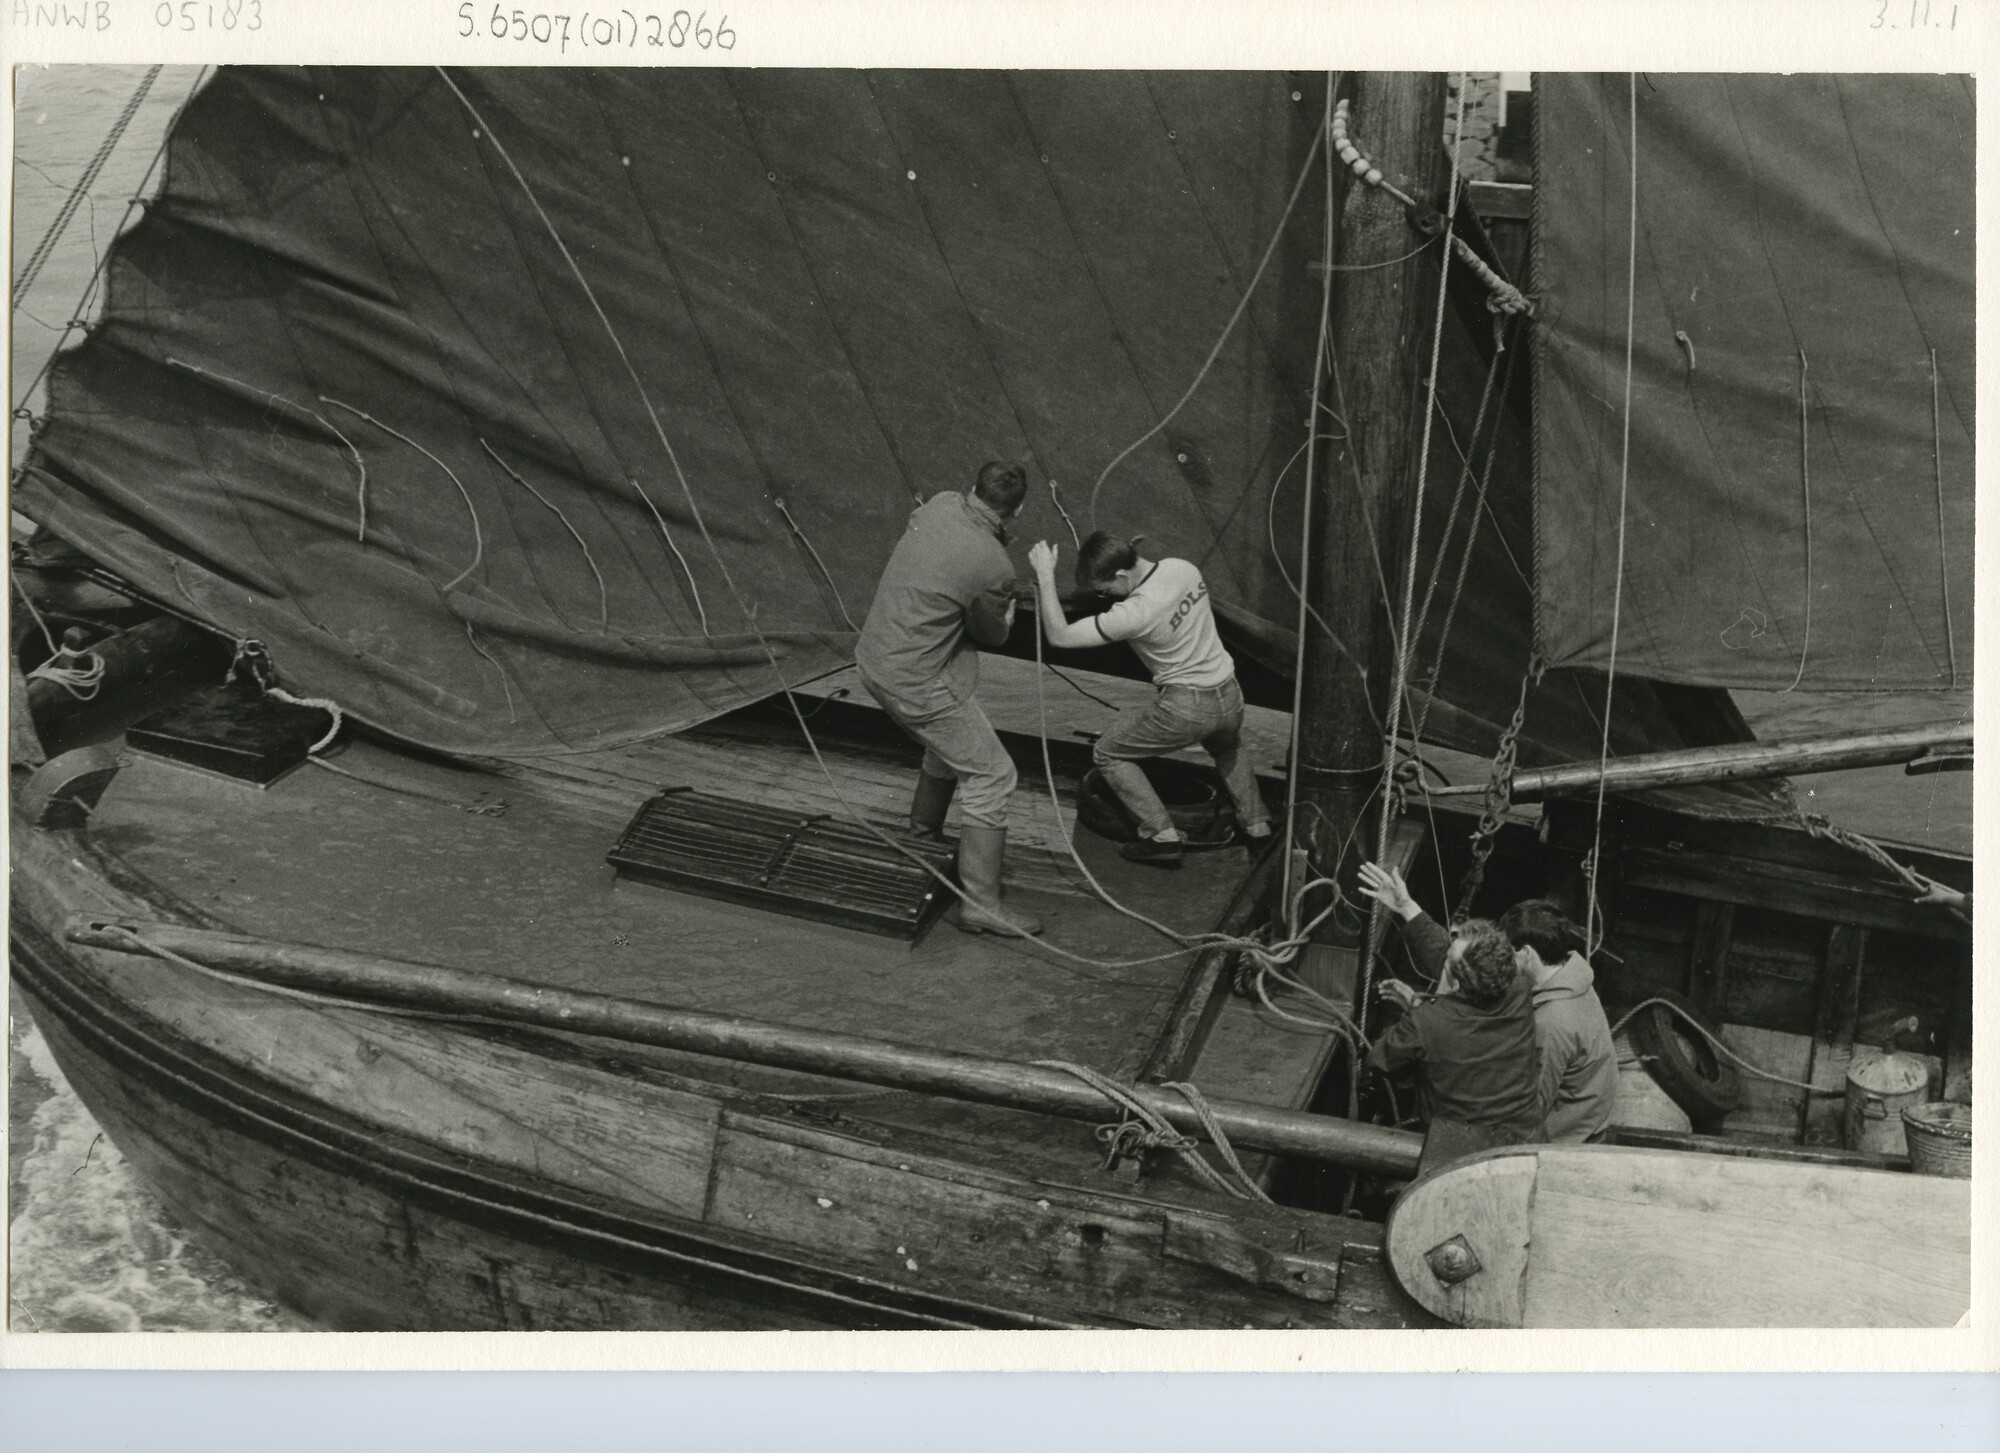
[[1579, 1064], [945, 590], [1481, 1066]]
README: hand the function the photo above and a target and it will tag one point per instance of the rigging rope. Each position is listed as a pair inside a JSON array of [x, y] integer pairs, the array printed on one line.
[[31, 269], [1591, 936], [1227, 328], [1305, 529], [1937, 470], [1405, 642], [82, 307], [1805, 486]]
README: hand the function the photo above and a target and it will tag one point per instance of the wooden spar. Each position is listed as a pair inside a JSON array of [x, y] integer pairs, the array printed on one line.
[[1734, 762], [1364, 482], [957, 1076]]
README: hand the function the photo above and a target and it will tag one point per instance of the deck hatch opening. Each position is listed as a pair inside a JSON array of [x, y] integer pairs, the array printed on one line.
[[804, 864]]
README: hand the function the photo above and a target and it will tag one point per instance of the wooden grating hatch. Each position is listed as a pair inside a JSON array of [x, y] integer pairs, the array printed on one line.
[[804, 864]]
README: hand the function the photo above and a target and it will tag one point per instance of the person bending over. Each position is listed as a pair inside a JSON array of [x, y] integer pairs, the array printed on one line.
[[1474, 1039], [1162, 609], [948, 589]]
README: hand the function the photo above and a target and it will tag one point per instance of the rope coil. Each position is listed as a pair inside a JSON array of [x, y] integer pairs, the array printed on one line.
[[1149, 1129]]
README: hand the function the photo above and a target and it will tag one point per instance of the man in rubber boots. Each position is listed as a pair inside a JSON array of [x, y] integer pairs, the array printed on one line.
[[1162, 609], [948, 589], [1579, 1062], [1474, 1037]]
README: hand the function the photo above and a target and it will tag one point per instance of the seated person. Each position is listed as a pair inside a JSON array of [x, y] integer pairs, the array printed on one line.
[[1579, 1063], [1162, 609], [1474, 1039]]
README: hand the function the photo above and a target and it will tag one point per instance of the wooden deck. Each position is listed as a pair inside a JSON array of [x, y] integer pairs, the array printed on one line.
[[500, 866]]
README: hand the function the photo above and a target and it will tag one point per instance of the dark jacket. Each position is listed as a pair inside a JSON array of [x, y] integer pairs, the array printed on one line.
[[1579, 1064], [945, 589], [1480, 1066]]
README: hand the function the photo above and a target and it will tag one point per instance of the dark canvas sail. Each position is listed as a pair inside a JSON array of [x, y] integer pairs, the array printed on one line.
[[838, 292], [1794, 232]]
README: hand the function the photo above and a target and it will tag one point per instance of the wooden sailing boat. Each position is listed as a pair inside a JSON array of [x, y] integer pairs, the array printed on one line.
[[529, 414]]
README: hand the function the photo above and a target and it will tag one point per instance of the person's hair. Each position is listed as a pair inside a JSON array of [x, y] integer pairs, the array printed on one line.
[[1538, 924], [1001, 485], [1486, 966], [1102, 556]]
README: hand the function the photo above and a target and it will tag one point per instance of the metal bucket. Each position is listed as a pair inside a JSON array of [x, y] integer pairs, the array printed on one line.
[[1879, 1089], [1940, 1136]]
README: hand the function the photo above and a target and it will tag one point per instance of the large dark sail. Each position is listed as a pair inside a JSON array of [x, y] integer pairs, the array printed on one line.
[[350, 397], [1802, 241]]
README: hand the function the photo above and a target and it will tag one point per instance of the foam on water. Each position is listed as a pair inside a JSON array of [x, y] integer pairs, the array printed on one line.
[[89, 1248]]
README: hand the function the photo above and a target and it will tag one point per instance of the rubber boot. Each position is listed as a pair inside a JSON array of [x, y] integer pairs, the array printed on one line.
[[931, 803], [981, 851]]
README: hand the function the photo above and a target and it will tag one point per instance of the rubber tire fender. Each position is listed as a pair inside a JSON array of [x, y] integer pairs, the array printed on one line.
[[1701, 1082]]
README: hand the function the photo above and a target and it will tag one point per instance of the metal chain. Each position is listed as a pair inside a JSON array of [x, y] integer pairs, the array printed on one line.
[[1499, 795]]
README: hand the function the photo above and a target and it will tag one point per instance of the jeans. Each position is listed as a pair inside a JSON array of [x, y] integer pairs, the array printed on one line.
[[1180, 716], [958, 741]]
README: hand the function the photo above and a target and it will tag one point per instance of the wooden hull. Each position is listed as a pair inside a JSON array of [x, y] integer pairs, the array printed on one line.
[[1608, 1236], [383, 1172]]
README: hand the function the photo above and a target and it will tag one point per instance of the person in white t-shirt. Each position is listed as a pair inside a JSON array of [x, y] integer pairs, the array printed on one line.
[[1162, 609]]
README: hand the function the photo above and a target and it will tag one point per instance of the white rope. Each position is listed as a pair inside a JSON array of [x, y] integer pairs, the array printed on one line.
[[80, 673], [325, 704]]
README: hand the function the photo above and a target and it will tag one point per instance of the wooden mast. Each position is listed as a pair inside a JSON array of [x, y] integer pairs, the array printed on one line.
[[1364, 485]]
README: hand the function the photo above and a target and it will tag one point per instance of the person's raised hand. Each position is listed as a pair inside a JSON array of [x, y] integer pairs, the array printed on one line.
[[1386, 887], [1042, 557]]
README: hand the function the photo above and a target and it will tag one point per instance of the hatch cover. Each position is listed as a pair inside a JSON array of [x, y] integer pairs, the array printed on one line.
[[231, 732], [805, 864]]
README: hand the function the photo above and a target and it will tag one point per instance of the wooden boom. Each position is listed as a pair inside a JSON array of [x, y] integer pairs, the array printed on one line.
[[976, 1078], [1731, 763]]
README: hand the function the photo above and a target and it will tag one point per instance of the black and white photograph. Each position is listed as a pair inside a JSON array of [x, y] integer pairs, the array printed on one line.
[[689, 695]]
